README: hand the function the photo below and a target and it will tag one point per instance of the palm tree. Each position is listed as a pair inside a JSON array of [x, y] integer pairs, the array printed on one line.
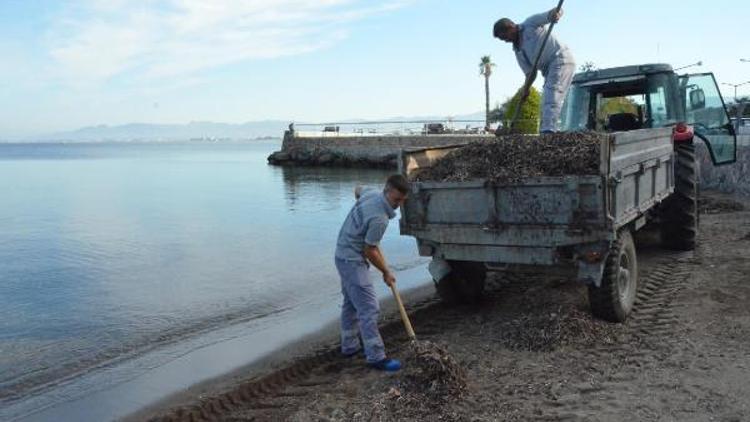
[[485, 69], [587, 67]]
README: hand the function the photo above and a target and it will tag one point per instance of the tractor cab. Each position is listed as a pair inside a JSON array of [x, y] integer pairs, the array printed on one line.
[[651, 96]]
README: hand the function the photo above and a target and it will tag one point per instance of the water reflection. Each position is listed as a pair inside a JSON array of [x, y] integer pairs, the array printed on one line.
[[325, 188]]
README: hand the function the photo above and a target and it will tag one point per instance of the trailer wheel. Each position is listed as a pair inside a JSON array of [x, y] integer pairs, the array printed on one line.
[[464, 284], [680, 215], [614, 298], [472, 277], [447, 289]]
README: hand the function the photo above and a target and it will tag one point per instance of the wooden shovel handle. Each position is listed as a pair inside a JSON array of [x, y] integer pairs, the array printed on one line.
[[402, 311]]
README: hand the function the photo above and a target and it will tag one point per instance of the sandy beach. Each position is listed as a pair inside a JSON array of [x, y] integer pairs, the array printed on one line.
[[531, 351]]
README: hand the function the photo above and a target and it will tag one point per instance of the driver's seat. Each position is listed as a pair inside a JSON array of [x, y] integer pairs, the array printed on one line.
[[621, 122]]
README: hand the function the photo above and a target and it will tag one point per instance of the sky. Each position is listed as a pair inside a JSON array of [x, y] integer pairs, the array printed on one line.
[[69, 64]]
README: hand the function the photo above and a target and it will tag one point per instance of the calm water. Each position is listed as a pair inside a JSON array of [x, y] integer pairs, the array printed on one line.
[[109, 251]]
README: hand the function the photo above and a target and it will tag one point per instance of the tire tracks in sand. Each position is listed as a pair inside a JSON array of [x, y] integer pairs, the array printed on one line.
[[592, 388], [615, 371]]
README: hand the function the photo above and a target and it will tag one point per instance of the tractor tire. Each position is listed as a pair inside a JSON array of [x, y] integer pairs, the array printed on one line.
[[464, 284], [679, 218], [613, 300], [447, 289]]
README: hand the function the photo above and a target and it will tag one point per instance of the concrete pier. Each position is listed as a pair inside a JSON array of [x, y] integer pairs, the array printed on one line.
[[357, 150]]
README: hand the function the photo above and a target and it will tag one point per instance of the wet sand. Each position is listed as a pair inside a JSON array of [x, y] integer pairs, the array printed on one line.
[[319, 343], [531, 351]]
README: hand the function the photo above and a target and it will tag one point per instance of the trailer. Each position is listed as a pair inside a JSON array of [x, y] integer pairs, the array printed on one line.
[[580, 224]]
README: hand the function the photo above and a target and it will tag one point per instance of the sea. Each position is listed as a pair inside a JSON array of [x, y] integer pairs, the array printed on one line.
[[129, 271]]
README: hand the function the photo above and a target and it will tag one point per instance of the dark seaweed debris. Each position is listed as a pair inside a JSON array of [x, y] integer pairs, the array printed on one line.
[[508, 159], [711, 205], [435, 370], [538, 331]]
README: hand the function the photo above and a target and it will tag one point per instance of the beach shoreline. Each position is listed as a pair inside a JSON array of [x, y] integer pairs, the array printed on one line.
[[532, 351], [324, 341]]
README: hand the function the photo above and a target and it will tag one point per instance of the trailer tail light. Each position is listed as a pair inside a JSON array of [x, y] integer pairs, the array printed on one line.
[[682, 132], [592, 257]]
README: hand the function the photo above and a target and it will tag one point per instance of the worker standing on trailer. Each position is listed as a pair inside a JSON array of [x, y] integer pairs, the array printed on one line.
[[356, 248], [556, 61]]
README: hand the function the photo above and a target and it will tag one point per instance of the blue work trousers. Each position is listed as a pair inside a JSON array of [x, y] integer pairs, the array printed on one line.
[[360, 311], [556, 84]]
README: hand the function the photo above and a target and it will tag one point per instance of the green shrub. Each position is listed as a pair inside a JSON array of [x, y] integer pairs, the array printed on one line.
[[528, 120]]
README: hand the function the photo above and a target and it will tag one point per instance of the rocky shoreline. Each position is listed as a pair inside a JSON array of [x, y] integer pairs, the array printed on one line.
[[733, 178], [358, 151], [329, 158]]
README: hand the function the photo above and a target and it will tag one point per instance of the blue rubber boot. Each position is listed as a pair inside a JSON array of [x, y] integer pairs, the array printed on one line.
[[387, 365]]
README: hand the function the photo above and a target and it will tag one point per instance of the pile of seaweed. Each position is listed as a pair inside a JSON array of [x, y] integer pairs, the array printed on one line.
[[538, 331], [510, 158], [435, 371]]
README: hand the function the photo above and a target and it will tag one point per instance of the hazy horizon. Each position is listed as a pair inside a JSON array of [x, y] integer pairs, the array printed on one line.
[[83, 63]]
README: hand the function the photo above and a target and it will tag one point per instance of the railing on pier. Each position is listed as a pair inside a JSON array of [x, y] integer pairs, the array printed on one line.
[[391, 128]]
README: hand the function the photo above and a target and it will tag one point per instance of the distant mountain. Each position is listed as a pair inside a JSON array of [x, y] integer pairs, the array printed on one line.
[[204, 130], [162, 132]]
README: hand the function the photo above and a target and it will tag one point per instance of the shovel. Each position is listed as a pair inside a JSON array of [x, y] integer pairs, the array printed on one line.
[[527, 84], [402, 311]]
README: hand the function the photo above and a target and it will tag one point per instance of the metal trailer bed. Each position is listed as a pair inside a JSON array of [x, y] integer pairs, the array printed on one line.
[[571, 222]]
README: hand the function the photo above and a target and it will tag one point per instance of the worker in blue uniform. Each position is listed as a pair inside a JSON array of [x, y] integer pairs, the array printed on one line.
[[556, 61], [356, 248]]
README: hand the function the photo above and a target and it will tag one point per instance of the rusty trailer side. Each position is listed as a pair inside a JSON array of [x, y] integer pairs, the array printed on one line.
[[541, 221]]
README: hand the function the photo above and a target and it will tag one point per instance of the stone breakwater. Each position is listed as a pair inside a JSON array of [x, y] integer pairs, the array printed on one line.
[[357, 151], [732, 178]]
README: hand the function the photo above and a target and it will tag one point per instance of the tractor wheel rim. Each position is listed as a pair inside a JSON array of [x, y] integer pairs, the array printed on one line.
[[623, 277]]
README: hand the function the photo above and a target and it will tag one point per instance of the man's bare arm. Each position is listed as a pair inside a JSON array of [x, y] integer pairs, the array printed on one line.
[[376, 258]]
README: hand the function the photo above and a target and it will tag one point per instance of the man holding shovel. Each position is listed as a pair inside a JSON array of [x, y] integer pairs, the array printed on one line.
[[357, 248], [553, 58]]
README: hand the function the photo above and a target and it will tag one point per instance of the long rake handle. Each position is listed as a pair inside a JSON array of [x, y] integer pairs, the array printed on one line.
[[402, 311]]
